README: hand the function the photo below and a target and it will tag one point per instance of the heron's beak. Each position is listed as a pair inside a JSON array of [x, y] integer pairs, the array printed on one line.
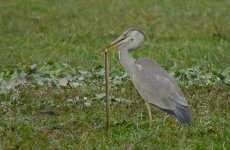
[[115, 44]]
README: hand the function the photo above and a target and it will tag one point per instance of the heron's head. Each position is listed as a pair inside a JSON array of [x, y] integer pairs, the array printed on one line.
[[131, 39]]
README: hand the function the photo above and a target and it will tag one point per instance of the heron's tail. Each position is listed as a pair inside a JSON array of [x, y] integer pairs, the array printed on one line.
[[184, 114]]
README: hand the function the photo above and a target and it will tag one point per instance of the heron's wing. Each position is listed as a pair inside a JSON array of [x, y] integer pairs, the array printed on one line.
[[155, 85]]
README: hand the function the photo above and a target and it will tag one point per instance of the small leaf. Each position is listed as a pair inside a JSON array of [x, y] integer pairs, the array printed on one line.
[[122, 100], [81, 78], [15, 96], [63, 81], [100, 96], [87, 103], [74, 84], [70, 100], [33, 66]]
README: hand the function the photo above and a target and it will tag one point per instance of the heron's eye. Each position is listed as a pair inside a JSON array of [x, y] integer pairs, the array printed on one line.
[[126, 35]]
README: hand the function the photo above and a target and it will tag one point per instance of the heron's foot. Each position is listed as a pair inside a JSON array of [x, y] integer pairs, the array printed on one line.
[[150, 113]]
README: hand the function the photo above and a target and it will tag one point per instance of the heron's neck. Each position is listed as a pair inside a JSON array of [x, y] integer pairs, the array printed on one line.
[[126, 59]]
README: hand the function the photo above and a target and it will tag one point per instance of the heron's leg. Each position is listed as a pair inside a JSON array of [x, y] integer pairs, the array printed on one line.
[[150, 113]]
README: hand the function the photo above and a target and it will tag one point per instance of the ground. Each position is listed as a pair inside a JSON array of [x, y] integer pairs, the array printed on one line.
[[51, 74]]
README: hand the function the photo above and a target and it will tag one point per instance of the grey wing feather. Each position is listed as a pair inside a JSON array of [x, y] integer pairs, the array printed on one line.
[[155, 85]]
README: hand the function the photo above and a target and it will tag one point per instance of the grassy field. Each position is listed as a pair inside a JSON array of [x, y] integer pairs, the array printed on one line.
[[51, 75]]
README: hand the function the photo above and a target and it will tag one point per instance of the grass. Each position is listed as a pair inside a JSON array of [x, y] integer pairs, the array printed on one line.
[[181, 35]]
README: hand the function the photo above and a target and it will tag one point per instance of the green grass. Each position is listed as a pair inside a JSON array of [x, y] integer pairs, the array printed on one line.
[[182, 34]]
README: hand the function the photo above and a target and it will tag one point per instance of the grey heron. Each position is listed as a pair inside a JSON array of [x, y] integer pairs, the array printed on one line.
[[153, 83]]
